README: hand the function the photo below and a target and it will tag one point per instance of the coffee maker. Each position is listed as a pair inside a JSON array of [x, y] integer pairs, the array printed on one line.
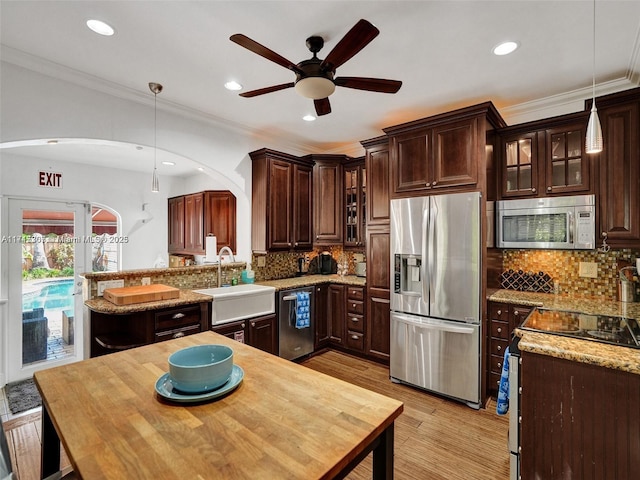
[[326, 264]]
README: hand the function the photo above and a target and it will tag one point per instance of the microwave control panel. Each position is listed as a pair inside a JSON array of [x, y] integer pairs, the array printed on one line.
[[585, 229]]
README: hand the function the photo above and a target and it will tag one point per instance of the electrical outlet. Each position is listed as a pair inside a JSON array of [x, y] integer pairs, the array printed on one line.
[[262, 261], [588, 269], [109, 284], [146, 281]]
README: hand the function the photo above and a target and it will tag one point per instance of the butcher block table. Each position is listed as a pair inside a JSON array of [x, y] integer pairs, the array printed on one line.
[[283, 421]]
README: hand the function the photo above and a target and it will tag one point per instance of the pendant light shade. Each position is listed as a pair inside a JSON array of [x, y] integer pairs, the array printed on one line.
[[593, 139], [156, 88]]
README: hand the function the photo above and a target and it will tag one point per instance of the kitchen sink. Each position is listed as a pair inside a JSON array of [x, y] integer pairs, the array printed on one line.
[[240, 302]]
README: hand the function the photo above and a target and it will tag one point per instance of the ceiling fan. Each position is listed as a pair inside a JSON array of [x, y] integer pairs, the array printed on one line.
[[315, 77]]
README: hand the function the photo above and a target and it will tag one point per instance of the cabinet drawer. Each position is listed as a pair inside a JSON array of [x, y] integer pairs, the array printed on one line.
[[177, 332], [355, 306], [355, 341], [500, 330], [355, 322], [499, 311], [498, 346], [177, 317], [355, 293], [496, 363], [494, 381]]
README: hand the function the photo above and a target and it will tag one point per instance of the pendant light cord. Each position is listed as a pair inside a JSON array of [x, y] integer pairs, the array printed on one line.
[[594, 53], [155, 129]]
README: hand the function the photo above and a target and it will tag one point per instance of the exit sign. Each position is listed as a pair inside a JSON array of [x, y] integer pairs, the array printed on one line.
[[50, 179]]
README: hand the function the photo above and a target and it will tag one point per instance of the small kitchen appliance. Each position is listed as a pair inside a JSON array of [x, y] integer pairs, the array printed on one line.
[[361, 269], [326, 264]]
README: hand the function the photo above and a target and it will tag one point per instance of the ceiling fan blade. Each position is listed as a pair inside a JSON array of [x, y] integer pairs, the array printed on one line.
[[371, 84], [262, 91], [323, 107], [263, 51], [355, 40]]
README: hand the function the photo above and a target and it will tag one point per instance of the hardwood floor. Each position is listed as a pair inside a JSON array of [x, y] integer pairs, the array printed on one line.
[[435, 438]]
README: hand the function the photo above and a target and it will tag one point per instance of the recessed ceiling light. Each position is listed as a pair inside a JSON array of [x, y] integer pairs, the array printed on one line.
[[505, 48], [308, 118], [168, 163], [201, 169], [52, 142], [233, 85], [100, 27]]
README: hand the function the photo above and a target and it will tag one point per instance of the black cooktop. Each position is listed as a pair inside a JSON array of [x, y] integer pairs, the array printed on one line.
[[598, 328]]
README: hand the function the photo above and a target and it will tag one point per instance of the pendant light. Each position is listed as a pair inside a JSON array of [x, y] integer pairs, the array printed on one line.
[[156, 88], [593, 140]]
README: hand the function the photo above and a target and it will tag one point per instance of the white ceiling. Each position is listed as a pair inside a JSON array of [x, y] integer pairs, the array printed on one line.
[[440, 50]]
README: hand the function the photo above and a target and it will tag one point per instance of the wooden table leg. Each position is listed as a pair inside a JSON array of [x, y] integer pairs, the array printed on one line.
[[383, 456], [50, 454]]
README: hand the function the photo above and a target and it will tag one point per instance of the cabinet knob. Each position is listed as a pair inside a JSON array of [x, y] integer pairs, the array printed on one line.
[[354, 337], [434, 183], [499, 312], [499, 329], [548, 189], [354, 320], [253, 324], [354, 305], [178, 335], [177, 316], [499, 365], [533, 190], [242, 326], [516, 313], [289, 244], [428, 184], [499, 347], [296, 244]]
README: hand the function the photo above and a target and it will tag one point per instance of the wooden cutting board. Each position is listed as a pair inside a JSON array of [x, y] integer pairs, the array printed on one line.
[[140, 294]]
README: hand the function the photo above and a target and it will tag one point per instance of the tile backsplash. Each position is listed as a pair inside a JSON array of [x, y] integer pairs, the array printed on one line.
[[563, 267]]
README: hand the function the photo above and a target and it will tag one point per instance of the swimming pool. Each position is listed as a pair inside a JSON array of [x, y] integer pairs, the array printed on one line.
[[50, 295]]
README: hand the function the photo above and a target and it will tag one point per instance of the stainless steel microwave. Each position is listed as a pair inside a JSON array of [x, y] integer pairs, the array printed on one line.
[[563, 223]]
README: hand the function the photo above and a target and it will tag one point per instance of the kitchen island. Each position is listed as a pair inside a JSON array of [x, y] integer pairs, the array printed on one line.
[[282, 421]]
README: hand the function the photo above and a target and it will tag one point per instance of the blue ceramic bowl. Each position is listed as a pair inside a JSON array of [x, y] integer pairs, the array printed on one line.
[[201, 368]]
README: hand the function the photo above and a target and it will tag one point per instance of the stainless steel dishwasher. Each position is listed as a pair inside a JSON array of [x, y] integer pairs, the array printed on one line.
[[295, 341]]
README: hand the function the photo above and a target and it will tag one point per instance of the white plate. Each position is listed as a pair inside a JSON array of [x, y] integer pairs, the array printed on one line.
[[165, 388]]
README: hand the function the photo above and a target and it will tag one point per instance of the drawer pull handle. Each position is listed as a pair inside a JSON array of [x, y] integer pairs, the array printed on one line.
[[177, 316], [178, 335]]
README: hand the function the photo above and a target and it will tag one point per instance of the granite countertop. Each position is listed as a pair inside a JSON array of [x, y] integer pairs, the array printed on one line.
[[585, 351], [307, 280], [186, 297]]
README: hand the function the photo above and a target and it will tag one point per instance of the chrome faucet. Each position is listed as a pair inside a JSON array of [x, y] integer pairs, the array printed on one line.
[[224, 249]]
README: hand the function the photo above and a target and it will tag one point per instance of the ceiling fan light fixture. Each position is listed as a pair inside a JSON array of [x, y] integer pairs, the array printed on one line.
[[315, 88], [233, 85], [309, 118]]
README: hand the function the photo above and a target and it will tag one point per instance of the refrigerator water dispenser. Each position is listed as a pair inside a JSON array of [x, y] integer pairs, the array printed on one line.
[[408, 277]]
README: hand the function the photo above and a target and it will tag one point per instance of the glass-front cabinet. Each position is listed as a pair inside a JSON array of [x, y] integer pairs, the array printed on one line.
[[355, 204], [539, 159]]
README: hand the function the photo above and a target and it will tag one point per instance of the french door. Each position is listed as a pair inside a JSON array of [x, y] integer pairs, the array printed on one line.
[[49, 244]]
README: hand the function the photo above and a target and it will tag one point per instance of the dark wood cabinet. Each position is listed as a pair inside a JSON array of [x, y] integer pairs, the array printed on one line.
[[545, 158], [618, 168], [192, 217], [378, 294], [441, 152], [115, 332], [503, 319], [336, 314], [282, 202], [377, 180], [321, 317], [260, 332], [355, 319], [176, 224], [578, 420], [355, 203], [328, 191]]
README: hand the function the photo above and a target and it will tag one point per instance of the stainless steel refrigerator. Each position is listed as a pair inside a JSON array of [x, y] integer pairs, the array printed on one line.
[[435, 294]]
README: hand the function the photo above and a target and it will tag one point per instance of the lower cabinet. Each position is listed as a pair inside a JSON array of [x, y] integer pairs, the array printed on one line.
[[259, 332], [378, 333], [335, 314], [355, 319], [321, 316], [578, 420], [114, 332], [503, 319]]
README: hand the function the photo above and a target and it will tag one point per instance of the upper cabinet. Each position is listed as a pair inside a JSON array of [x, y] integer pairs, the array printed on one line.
[[328, 191], [441, 152], [281, 205], [618, 169], [545, 158], [355, 203], [192, 217], [377, 180]]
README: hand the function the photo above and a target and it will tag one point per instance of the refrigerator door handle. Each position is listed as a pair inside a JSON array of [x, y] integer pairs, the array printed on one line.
[[437, 325], [431, 253], [424, 267]]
